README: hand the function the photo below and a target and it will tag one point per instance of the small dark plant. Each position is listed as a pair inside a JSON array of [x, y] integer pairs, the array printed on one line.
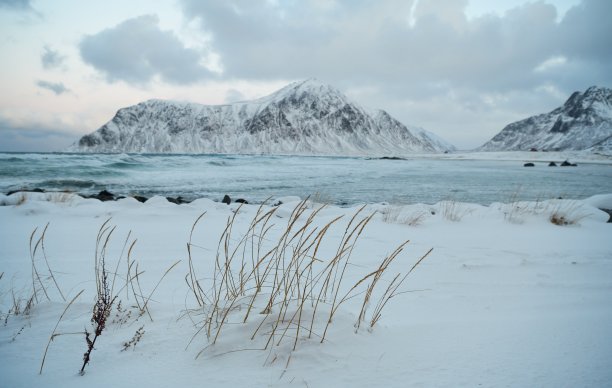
[[105, 299], [135, 339]]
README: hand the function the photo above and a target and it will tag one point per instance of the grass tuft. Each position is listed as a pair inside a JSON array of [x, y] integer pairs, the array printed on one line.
[[281, 289]]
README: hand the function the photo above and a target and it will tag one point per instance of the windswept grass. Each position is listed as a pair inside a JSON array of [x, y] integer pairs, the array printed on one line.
[[277, 280], [277, 284], [564, 213], [107, 292]]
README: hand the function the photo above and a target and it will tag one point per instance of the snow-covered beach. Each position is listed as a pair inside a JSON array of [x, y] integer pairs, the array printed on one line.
[[505, 298]]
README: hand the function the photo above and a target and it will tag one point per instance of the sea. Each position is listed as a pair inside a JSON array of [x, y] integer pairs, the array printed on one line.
[[343, 181]]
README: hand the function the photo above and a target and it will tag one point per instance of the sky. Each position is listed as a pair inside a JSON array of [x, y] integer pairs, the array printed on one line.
[[462, 69]]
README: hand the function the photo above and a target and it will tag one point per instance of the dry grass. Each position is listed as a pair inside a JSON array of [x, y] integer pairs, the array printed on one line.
[[41, 279], [294, 291], [452, 210], [564, 213], [397, 215], [272, 281], [107, 291]]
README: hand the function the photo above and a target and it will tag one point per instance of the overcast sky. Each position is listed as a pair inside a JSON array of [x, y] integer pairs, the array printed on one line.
[[462, 69]]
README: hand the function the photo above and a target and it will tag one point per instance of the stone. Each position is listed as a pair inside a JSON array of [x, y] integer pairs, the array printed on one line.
[[226, 199], [140, 198], [609, 211], [105, 195], [36, 190]]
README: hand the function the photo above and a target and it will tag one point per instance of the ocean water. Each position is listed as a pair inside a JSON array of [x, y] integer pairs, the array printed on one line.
[[337, 180]]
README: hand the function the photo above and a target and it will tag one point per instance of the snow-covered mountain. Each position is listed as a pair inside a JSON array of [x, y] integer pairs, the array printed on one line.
[[307, 118], [584, 122]]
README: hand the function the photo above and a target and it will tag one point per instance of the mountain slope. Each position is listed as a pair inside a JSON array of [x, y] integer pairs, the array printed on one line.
[[302, 118], [583, 122]]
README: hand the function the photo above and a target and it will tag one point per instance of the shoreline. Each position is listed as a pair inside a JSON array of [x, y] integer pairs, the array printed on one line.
[[556, 156]]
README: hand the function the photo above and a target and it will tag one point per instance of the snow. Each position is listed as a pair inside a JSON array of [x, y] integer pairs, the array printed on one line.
[[584, 122], [506, 298], [303, 118]]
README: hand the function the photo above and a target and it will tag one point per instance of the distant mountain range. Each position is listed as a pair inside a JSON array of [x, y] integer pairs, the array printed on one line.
[[305, 118], [584, 122]]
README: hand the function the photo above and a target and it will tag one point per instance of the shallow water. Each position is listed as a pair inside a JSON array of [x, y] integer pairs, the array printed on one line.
[[338, 180]]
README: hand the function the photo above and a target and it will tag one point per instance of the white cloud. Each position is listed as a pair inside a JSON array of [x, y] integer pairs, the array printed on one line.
[[551, 63], [137, 50], [56, 87]]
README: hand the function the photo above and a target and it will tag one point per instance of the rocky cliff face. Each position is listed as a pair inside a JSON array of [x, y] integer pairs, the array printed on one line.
[[583, 122], [307, 118]]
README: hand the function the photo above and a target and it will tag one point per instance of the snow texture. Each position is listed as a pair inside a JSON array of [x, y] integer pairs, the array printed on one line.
[[584, 122], [304, 118], [505, 299]]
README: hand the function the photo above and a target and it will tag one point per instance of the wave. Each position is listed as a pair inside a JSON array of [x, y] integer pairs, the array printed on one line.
[[69, 184]]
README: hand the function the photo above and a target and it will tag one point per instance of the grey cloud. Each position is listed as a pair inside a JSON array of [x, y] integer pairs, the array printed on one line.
[[410, 56], [137, 50], [587, 32], [16, 5], [32, 138], [56, 87], [372, 42], [234, 95], [51, 59]]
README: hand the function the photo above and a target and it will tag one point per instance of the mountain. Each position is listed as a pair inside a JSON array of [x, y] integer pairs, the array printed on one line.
[[306, 118], [584, 122]]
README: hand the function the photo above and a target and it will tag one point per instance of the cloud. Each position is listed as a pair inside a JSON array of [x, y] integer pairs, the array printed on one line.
[[234, 95], [375, 42], [56, 87], [51, 59], [15, 137], [410, 54], [16, 5], [137, 50]]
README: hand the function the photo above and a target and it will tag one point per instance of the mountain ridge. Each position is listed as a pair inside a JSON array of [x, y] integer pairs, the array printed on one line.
[[583, 122], [305, 118]]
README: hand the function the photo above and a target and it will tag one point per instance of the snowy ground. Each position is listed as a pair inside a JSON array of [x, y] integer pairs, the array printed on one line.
[[506, 298]]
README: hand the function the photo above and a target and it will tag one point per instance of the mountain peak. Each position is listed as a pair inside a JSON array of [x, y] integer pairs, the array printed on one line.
[[306, 117], [582, 122], [310, 86]]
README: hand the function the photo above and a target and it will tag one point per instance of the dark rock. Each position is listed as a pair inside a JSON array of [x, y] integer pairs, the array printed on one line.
[[226, 199], [609, 211], [552, 164], [391, 158], [36, 190], [242, 200], [568, 164], [105, 196], [140, 198], [178, 200], [528, 165], [533, 150]]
